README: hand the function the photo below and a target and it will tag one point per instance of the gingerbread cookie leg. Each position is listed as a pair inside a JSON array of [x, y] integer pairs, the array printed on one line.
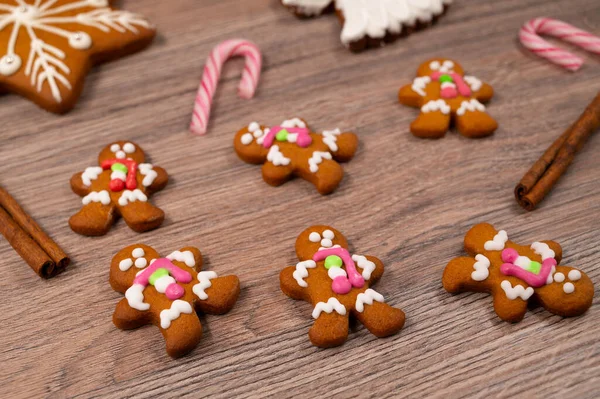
[[325, 174], [139, 215], [510, 302], [331, 324], [184, 333], [379, 318], [94, 218], [277, 172], [434, 120], [472, 120]]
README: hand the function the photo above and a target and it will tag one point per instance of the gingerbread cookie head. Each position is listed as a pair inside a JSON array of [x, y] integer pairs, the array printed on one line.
[[440, 65], [515, 274], [337, 284], [122, 150], [373, 23], [120, 186], [292, 149], [167, 292], [48, 46], [446, 96]]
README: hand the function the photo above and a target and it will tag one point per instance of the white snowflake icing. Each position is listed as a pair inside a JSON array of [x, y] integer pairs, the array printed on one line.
[[46, 63]]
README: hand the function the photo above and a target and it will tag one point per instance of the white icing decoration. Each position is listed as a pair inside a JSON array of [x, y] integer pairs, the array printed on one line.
[[436, 105], [308, 7], [97, 196], [140, 263], [186, 257], [366, 265], [135, 297], [316, 159], [138, 252], [446, 85], [367, 298], [543, 250], [497, 244], [334, 272], [132, 196], [117, 174], [568, 288], [115, 147], [277, 157], [574, 275], [149, 173], [253, 126], [301, 273], [203, 283], [326, 243], [330, 139], [177, 308], [314, 237], [481, 268], [375, 18], [473, 82], [331, 305], [247, 138], [46, 63], [434, 65], [550, 278], [125, 264], [294, 122], [90, 174], [328, 234], [559, 277], [163, 282], [419, 84], [471, 106], [517, 291], [129, 148], [120, 155]]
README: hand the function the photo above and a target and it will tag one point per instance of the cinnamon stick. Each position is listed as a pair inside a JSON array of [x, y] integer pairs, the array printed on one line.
[[40, 252], [544, 174]]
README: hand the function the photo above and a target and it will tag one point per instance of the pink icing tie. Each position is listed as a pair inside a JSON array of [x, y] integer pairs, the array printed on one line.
[[510, 255], [450, 92], [173, 291], [340, 284], [303, 139]]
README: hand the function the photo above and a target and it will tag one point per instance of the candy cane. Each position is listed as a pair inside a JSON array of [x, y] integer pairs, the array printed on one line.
[[529, 36], [212, 71]]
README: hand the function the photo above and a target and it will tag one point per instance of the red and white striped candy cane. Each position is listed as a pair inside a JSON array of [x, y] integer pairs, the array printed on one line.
[[529, 36], [212, 72]]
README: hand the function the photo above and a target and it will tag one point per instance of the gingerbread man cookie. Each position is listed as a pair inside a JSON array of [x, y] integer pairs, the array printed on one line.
[[372, 23], [167, 292], [445, 94], [337, 285], [48, 46], [120, 186], [291, 149], [515, 274]]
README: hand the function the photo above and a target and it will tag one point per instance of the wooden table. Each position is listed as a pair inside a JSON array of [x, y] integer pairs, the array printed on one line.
[[407, 201]]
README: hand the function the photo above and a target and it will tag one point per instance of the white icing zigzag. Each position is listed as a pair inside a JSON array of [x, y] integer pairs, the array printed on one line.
[[301, 273], [517, 291], [149, 174], [331, 305], [277, 157], [203, 284], [367, 298], [177, 308], [90, 174], [132, 196], [186, 256], [316, 159], [366, 265], [481, 268], [46, 63], [497, 244], [97, 196]]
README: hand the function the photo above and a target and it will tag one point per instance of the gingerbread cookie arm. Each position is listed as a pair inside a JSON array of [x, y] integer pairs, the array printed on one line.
[[183, 333], [342, 146], [461, 275], [409, 97], [570, 294], [290, 279], [370, 267], [158, 181], [127, 318], [94, 218], [485, 93], [378, 317], [78, 185], [220, 296]]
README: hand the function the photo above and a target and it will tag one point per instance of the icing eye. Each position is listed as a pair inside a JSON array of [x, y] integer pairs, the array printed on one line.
[[138, 253], [449, 64], [125, 264], [115, 148], [252, 127], [120, 154], [435, 65], [314, 237], [328, 234], [129, 148]]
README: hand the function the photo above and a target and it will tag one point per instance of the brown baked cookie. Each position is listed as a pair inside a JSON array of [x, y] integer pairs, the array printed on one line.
[[120, 186], [48, 46], [515, 274], [372, 23], [167, 292], [337, 284], [447, 96], [291, 149]]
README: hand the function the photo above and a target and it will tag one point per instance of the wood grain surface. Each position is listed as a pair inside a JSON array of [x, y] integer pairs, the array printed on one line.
[[405, 200]]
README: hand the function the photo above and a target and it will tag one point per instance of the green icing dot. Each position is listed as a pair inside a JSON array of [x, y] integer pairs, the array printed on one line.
[[333, 261], [446, 78], [119, 167], [158, 274], [535, 267], [282, 135]]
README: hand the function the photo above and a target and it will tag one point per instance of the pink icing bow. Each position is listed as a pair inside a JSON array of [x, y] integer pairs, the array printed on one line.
[[303, 139], [450, 91], [341, 284], [510, 255], [173, 291]]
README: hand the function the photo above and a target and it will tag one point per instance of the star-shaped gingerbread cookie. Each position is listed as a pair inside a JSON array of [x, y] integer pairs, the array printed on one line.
[[48, 46]]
